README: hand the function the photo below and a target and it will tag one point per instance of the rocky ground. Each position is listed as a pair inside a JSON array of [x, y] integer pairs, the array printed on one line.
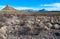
[[29, 27]]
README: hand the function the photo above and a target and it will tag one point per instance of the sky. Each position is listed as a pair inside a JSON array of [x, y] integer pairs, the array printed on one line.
[[32, 4]]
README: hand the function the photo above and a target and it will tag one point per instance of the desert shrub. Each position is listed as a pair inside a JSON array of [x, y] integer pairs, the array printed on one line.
[[24, 31], [2, 19], [34, 32], [22, 23], [18, 15], [1, 37], [56, 34], [1, 25], [8, 15], [52, 27]]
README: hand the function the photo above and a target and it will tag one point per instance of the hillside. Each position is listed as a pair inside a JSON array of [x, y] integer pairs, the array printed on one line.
[[15, 24]]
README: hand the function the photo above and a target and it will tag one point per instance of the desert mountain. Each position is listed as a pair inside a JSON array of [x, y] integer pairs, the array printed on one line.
[[8, 7]]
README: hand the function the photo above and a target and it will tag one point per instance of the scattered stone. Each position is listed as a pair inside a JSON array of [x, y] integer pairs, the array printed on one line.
[[39, 28]]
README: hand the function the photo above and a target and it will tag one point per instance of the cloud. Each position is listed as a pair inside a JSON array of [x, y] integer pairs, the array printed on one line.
[[52, 9], [1, 7], [53, 6], [23, 8], [49, 7], [20, 8]]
